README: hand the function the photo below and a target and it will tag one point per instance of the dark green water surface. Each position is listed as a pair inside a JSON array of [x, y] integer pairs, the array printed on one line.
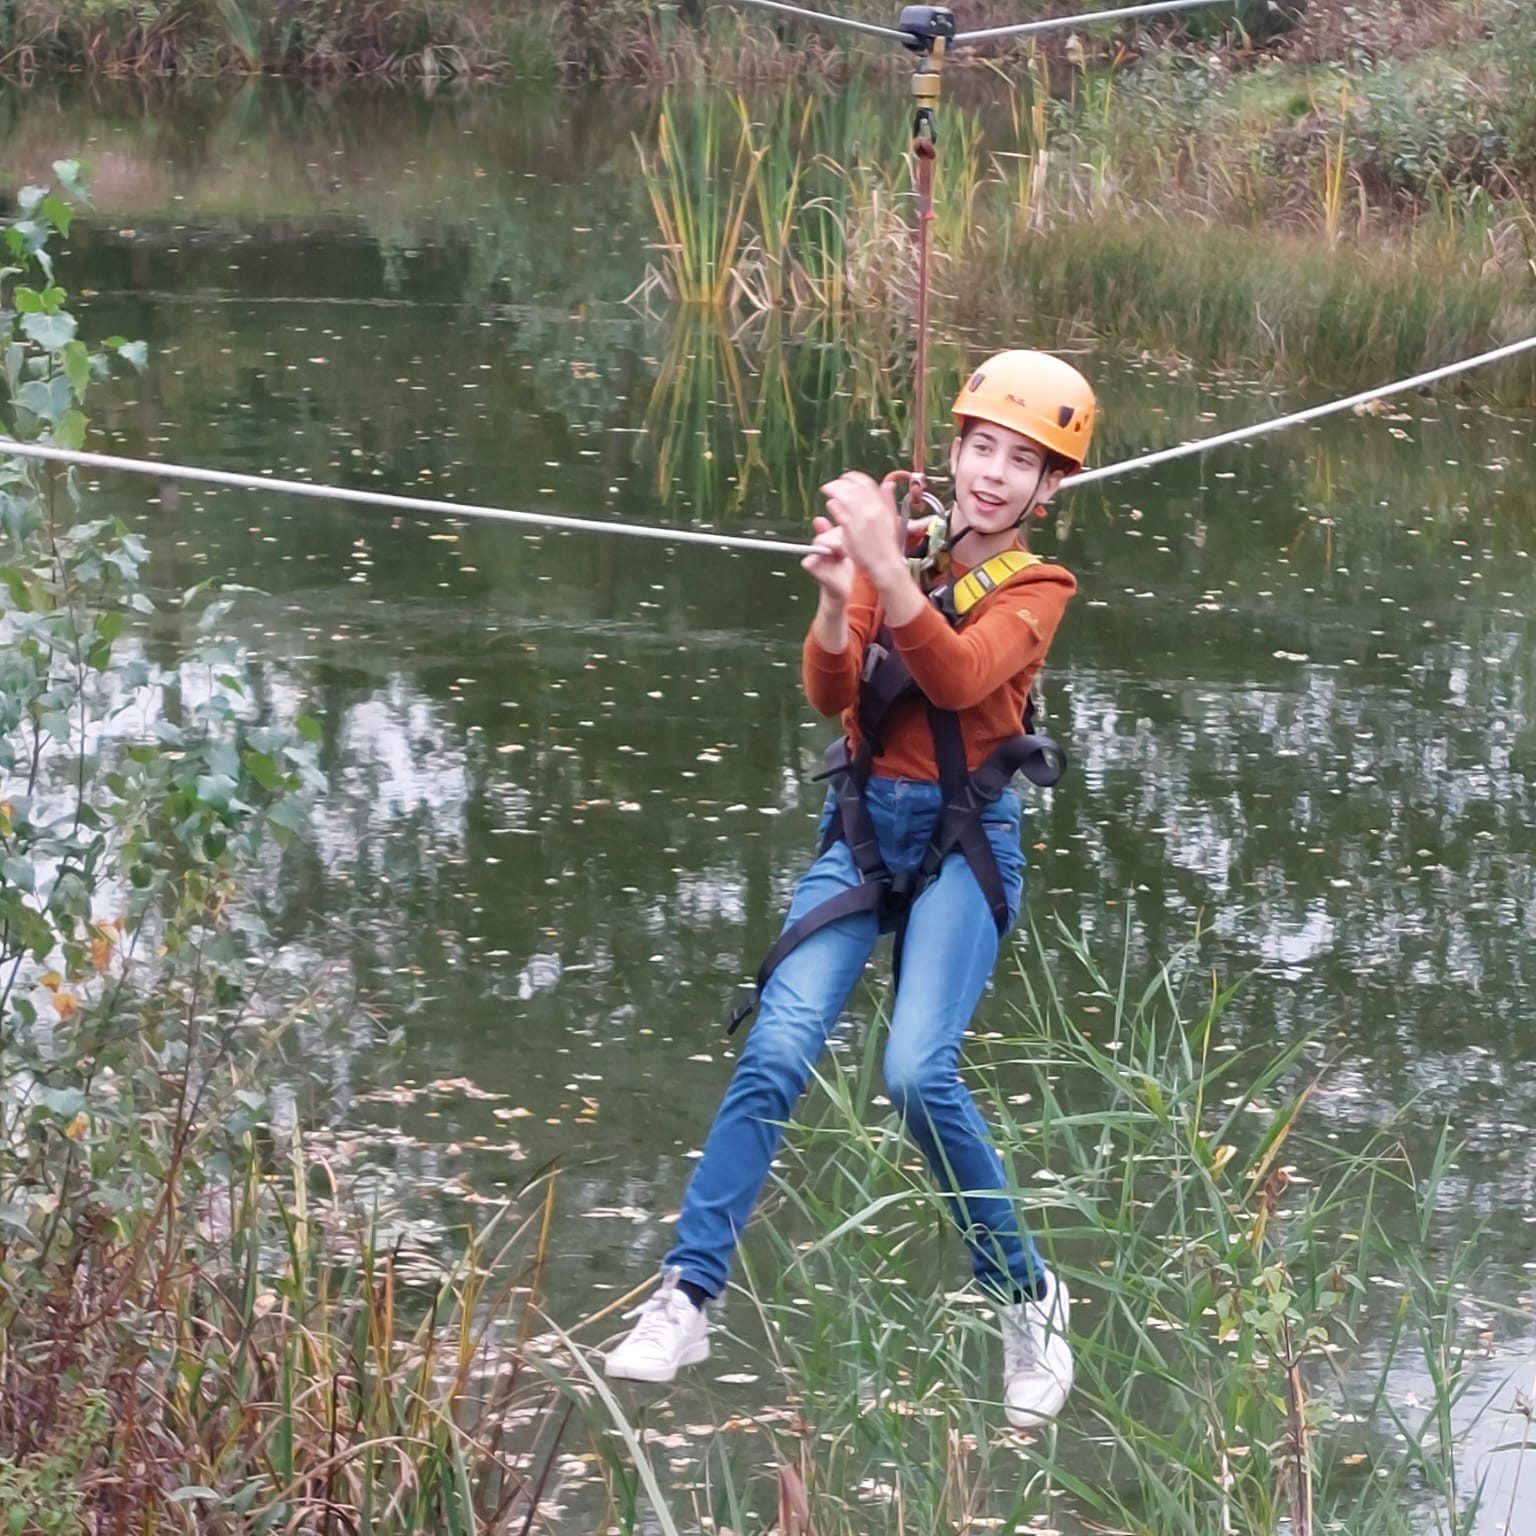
[[569, 773]]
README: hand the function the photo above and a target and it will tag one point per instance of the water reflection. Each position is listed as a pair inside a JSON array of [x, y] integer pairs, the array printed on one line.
[[570, 775]]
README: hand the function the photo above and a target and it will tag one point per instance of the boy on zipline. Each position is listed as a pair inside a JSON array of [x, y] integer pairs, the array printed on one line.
[[932, 674]]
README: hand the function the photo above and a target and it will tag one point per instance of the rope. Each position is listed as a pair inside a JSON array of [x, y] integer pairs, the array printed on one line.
[[824, 20], [923, 153], [165, 471], [391, 503]]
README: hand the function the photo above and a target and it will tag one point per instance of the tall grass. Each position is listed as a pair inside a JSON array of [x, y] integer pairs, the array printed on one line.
[[1280, 305], [1055, 229], [420, 38], [1247, 1307], [592, 38]]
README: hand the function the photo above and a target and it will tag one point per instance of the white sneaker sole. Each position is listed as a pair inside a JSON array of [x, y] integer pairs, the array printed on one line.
[[656, 1375], [1024, 1418]]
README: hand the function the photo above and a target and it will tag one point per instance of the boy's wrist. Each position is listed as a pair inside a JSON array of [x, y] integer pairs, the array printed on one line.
[[891, 574]]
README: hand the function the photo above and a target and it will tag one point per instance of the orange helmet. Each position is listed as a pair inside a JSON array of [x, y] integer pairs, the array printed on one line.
[[1036, 394]]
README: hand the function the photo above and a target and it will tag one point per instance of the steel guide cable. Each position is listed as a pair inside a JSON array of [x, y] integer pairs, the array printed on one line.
[[385, 501], [1018, 29]]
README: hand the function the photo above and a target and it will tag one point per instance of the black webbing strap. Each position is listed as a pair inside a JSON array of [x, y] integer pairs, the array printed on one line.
[[864, 897], [851, 824]]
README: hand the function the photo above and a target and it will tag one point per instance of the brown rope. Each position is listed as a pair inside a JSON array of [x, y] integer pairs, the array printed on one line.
[[924, 154]]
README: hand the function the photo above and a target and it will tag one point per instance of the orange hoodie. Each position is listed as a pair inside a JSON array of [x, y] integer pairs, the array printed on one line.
[[983, 671]]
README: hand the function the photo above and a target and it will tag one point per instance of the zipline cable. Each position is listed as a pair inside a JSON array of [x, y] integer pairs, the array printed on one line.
[[1300, 418], [391, 502], [155, 468], [1020, 29], [1092, 18], [867, 27]]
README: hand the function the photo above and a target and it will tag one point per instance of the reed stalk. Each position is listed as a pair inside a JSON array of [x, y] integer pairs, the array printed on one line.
[[1244, 1310]]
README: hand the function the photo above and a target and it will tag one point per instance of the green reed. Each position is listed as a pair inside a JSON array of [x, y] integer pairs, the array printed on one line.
[[1245, 1315], [702, 232], [1281, 304], [1174, 210]]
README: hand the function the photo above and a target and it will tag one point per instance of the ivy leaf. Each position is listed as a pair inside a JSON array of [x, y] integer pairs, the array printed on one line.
[[51, 331], [47, 398], [29, 301], [69, 432], [29, 198], [263, 770], [71, 176], [59, 213], [77, 367], [19, 872], [215, 790], [135, 353], [66, 1103]]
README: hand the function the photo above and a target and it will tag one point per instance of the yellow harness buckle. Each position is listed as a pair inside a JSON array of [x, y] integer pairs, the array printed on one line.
[[988, 577]]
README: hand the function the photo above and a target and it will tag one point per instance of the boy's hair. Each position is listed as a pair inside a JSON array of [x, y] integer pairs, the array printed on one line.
[[1054, 462]]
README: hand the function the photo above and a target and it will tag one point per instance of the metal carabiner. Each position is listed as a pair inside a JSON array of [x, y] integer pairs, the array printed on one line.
[[917, 501]]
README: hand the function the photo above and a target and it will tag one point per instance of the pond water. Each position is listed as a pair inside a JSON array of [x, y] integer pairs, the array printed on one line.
[[570, 774]]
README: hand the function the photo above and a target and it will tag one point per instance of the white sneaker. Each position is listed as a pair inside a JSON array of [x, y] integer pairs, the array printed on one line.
[[671, 1333], [1037, 1360]]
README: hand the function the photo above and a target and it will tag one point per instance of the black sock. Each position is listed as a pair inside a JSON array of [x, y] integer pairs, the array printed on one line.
[[1019, 1291], [695, 1293]]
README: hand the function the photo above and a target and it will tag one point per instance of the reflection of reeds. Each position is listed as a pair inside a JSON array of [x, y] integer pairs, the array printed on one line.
[[774, 406]]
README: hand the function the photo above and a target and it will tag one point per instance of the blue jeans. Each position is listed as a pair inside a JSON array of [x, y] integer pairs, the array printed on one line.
[[950, 949]]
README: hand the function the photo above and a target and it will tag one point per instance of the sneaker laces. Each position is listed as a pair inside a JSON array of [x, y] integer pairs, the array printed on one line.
[[655, 1314], [1020, 1338]]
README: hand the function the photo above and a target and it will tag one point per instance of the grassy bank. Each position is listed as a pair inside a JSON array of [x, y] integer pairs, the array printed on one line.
[[422, 39], [594, 38], [1303, 220]]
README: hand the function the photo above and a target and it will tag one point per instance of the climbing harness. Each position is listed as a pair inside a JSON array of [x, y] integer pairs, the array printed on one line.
[[885, 684]]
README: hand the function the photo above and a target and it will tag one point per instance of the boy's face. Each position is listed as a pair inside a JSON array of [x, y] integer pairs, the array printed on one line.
[[1000, 477]]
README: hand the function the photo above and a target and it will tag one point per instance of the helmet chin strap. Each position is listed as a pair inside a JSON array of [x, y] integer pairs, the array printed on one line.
[[1034, 498], [952, 540]]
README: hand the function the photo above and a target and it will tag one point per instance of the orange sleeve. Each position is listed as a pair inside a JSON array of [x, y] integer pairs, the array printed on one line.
[[957, 669], [831, 678]]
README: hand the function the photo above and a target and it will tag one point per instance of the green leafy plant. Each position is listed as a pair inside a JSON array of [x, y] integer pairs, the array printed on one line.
[[192, 1336]]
